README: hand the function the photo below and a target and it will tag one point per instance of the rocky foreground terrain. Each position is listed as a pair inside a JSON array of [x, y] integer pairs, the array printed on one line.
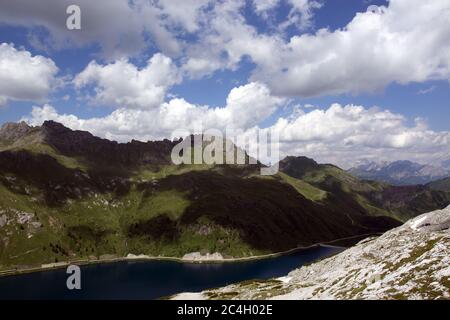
[[409, 262]]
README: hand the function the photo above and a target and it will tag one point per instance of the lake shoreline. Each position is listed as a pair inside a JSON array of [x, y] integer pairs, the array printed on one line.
[[141, 258]]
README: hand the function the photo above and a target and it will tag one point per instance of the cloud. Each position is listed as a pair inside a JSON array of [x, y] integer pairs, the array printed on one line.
[[3, 101], [24, 76], [117, 37], [122, 84], [121, 28], [246, 107], [168, 22], [226, 40], [186, 14], [250, 104], [427, 90], [262, 6], [301, 14], [409, 41]]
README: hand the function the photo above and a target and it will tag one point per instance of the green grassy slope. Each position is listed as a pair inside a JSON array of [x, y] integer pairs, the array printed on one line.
[[375, 198]]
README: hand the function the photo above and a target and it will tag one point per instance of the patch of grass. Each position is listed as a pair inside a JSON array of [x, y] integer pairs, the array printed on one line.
[[209, 237], [171, 203], [415, 254], [222, 295], [349, 183], [304, 188], [162, 172], [23, 244], [42, 148], [371, 209], [68, 162], [203, 238], [354, 293]]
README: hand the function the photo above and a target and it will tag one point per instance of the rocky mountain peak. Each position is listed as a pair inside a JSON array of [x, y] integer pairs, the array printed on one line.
[[53, 127], [12, 131]]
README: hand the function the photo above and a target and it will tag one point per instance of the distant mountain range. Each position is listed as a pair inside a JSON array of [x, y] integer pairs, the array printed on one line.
[[400, 172], [68, 195]]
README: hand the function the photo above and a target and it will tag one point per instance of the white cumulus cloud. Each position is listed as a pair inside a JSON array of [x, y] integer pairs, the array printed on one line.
[[408, 41], [343, 135], [246, 107], [122, 84], [24, 76]]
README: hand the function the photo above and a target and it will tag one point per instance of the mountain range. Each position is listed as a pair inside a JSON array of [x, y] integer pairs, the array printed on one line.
[[67, 195], [400, 172]]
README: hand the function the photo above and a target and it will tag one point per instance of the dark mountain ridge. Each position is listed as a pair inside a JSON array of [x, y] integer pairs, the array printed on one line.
[[93, 149]]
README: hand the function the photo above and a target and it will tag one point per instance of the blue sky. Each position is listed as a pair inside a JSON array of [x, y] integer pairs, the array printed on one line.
[[216, 50]]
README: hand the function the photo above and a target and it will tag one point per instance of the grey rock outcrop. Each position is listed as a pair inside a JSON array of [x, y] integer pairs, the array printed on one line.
[[12, 131]]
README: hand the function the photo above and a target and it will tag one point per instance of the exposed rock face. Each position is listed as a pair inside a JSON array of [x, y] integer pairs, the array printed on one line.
[[409, 262], [12, 131], [434, 222], [197, 256]]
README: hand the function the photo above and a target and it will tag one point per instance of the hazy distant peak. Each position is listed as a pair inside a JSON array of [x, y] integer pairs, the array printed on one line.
[[401, 172]]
